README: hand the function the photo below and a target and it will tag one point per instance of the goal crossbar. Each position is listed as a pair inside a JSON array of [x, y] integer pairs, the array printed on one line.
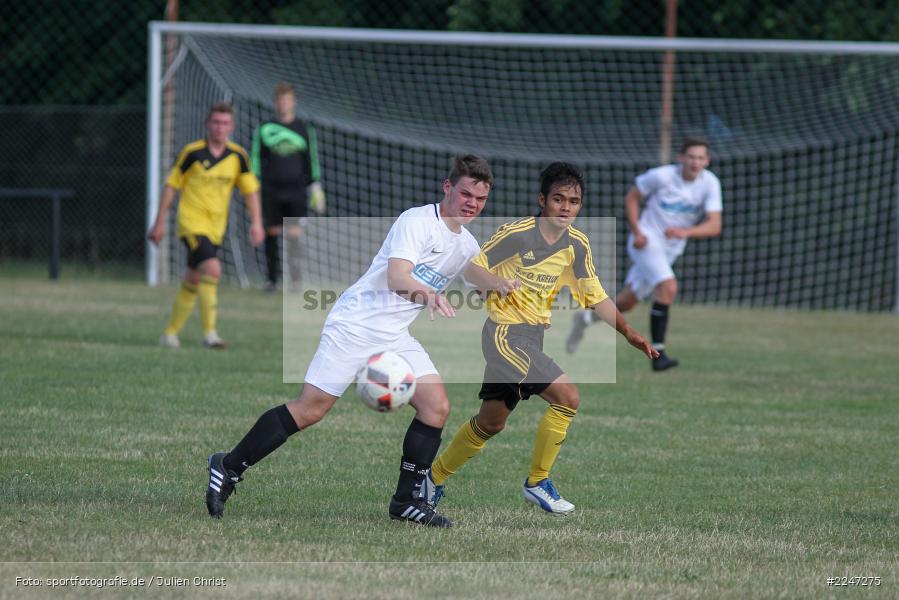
[[466, 38]]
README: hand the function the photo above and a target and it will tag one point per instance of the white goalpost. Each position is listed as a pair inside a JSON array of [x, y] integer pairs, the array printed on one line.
[[805, 138]]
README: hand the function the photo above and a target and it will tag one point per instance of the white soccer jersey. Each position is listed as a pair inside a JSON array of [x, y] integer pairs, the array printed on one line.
[[368, 309], [674, 202]]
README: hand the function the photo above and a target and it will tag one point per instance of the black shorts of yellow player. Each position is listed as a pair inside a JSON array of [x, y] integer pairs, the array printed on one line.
[[199, 248], [517, 367]]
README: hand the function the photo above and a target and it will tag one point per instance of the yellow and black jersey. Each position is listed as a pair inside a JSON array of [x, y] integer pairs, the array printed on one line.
[[206, 183], [519, 251]]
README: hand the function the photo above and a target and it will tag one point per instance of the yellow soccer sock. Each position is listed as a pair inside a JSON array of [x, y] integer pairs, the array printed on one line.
[[467, 442], [550, 434], [209, 293], [184, 305]]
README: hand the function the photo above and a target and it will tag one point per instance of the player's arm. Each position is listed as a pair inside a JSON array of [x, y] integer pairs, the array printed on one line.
[[401, 282], [175, 182], [257, 233], [608, 312], [632, 211], [165, 203], [709, 228], [314, 191], [248, 185], [589, 293], [485, 281], [256, 153], [503, 245]]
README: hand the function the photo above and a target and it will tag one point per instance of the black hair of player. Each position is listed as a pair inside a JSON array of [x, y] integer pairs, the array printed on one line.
[[692, 141], [560, 173], [470, 165]]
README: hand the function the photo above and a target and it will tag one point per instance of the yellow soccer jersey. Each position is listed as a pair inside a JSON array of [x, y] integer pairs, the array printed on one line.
[[519, 251], [206, 183]]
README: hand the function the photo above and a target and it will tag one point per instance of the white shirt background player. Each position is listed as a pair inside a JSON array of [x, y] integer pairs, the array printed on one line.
[[683, 201], [674, 205]]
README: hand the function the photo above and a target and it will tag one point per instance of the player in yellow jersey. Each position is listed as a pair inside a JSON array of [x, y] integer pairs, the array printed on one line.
[[206, 172], [523, 267]]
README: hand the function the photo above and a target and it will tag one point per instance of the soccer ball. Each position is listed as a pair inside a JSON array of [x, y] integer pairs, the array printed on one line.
[[386, 382]]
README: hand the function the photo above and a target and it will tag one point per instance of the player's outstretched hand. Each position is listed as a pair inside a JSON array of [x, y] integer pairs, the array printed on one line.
[[156, 233], [438, 304], [640, 343]]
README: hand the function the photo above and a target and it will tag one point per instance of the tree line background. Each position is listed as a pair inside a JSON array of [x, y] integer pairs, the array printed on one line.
[[94, 53]]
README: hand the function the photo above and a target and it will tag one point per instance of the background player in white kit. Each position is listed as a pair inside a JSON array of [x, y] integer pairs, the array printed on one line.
[[677, 198], [425, 249]]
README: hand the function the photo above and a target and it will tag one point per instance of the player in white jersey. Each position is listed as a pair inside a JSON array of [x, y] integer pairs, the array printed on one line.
[[683, 201], [425, 249]]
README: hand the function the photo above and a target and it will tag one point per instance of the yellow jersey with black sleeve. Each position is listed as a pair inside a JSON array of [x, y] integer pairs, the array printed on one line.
[[519, 251], [206, 183]]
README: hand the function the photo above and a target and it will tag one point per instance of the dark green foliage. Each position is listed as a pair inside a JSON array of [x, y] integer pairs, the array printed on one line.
[[83, 52]]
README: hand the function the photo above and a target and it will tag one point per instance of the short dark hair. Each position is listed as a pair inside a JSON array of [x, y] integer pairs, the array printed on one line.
[[691, 141], [284, 88], [220, 107], [560, 173], [470, 165]]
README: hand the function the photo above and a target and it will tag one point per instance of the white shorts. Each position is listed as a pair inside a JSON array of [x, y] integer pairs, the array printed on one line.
[[341, 354], [652, 265]]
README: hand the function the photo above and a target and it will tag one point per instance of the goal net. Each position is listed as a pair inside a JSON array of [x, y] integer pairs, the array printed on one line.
[[804, 138]]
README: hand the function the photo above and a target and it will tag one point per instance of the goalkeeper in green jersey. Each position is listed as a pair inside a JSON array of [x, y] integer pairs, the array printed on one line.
[[285, 158]]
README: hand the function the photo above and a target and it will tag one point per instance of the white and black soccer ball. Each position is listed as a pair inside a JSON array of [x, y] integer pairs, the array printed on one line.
[[386, 382]]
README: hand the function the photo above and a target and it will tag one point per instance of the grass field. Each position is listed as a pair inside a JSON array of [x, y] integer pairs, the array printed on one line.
[[763, 466]]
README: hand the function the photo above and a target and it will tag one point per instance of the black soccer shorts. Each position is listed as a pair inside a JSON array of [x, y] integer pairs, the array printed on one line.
[[199, 248], [517, 367], [278, 204]]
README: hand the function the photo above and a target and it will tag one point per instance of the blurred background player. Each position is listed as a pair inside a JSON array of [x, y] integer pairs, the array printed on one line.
[[285, 158], [677, 196], [524, 265], [206, 172], [425, 249]]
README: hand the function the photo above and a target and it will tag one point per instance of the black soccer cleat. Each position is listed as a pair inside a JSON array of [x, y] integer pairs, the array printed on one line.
[[221, 485], [417, 511], [578, 326], [664, 362]]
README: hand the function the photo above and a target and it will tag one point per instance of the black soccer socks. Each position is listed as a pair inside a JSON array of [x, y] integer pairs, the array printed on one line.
[[419, 449], [270, 431], [658, 323], [272, 257]]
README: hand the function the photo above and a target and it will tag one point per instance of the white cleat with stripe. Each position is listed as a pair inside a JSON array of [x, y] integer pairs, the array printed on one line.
[[544, 495]]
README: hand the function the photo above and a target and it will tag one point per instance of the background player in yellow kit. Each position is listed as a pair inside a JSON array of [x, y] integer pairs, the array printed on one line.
[[205, 173]]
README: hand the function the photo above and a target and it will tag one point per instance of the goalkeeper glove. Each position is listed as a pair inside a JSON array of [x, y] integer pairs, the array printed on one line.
[[316, 196]]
